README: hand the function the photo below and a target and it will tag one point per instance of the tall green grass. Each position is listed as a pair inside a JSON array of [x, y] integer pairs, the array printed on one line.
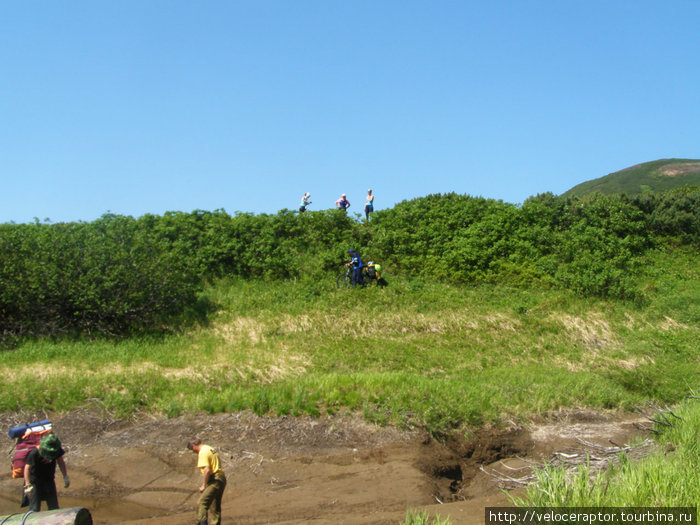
[[416, 352], [417, 517], [668, 478]]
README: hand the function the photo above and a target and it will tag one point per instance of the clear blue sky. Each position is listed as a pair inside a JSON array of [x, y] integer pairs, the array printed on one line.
[[145, 106]]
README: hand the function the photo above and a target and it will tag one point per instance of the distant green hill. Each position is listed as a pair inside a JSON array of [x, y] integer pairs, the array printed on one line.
[[655, 176]]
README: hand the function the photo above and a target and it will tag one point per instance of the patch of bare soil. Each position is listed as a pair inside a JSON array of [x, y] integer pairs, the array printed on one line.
[[680, 169], [285, 470]]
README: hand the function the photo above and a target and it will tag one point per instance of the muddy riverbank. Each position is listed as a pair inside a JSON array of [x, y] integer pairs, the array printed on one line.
[[293, 470]]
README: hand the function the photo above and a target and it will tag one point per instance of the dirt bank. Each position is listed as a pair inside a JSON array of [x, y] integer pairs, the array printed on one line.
[[328, 470]]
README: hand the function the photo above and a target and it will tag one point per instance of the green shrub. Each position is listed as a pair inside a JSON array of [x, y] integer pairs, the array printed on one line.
[[591, 245], [119, 275], [674, 213], [111, 277]]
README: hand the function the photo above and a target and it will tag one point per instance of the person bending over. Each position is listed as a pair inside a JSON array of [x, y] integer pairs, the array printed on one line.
[[213, 482]]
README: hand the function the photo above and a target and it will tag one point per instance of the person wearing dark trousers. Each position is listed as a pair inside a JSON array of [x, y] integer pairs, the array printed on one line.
[[40, 472], [213, 483], [356, 263], [342, 203], [304, 202], [369, 204]]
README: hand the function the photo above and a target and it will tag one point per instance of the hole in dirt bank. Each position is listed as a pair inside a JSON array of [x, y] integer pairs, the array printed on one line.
[[452, 474], [489, 445], [454, 461]]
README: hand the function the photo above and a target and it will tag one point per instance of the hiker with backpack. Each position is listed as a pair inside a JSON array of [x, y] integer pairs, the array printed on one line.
[[374, 271], [40, 472]]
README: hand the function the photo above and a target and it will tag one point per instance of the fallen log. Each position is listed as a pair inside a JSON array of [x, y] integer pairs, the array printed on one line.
[[74, 516]]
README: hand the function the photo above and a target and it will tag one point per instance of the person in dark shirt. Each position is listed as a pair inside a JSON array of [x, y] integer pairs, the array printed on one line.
[[356, 263], [40, 471]]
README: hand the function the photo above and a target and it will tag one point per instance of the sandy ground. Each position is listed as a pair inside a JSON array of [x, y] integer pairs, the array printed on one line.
[[286, 470]]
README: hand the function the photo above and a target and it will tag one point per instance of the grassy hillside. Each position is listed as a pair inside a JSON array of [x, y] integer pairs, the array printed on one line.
[[654, 177], [492, 310], [119, 276], [417, 352]]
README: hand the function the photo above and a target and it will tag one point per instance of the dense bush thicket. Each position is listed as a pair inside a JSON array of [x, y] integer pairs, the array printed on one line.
[[675, 213], [590, 245], [111, 276], [118, 274], [278, 246]]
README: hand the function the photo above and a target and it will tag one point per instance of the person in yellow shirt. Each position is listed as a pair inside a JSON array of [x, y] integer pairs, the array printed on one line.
[[213, 482]]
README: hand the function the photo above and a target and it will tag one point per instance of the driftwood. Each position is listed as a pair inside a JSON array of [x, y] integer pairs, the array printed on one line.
[[596, 457], [658, 416], [509, 482]]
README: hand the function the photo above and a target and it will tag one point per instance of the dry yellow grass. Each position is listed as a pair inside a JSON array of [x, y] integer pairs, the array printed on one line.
[[591, 331]]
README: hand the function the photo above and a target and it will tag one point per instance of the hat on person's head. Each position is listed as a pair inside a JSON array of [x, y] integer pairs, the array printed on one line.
[[351, 250], [343, 195], [50, 447]]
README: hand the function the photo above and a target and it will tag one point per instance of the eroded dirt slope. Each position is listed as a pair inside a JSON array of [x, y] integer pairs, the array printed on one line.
[[287, 470]]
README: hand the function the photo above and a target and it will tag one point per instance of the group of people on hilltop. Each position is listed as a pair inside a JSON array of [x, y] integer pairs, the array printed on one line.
[[358, 269], [342, 203]]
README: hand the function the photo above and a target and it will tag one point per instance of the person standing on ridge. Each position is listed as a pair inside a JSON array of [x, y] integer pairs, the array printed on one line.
[[213, 482], [40, 473], [304, 202], [342, 203], [369, 204]]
